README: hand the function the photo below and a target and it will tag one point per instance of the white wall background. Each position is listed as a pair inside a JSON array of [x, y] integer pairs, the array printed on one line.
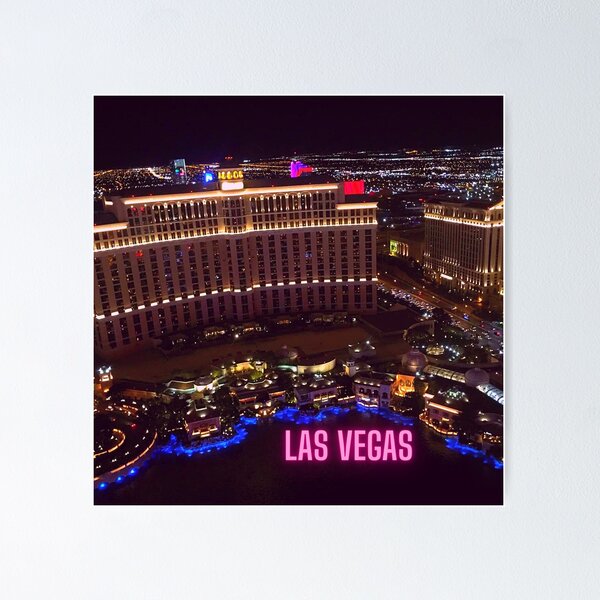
[[56, 55]]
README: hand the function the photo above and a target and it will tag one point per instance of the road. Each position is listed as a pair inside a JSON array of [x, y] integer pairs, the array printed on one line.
[[462, 314]]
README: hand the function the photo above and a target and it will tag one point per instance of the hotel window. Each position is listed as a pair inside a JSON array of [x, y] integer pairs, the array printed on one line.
[[124, 331], [110, 333]]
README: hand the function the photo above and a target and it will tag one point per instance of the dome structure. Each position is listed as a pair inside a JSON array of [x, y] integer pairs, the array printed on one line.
[[414, 360], [476, 377], [204, 382], [289, 352]]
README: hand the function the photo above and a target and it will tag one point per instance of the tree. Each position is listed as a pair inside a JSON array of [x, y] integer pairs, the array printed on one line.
[[255, 375], [285, 381], [227, 403], [421, 385], [344, 381], [441, 317], [178, 404], [160, 415], [414, 403], [418, 336], [262, 397], [464, 424]]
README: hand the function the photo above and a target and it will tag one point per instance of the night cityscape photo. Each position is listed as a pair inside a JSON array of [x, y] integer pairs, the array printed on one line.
[[298, 300]]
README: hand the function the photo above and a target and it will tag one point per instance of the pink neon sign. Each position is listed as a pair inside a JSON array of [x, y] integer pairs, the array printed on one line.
[[352, 445]]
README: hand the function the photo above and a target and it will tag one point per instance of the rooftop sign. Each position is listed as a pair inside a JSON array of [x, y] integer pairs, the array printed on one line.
[[230, 174]]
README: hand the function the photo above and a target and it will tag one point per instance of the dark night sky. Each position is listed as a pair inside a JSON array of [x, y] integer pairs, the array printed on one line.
[[137, 131]]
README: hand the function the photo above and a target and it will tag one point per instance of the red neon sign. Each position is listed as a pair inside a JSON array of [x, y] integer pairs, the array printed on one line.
[[354, 187]]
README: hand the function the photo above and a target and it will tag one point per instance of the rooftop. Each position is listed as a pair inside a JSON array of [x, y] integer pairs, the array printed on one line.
[[104, 218], [129, 384], [373, 376], [466, 203], [315, 384], [189, 188], [200, 411], [315, 359], [181, 385], [416, 234]]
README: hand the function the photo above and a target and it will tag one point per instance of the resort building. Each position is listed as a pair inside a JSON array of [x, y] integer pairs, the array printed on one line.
[[441, 417], [257, 395], [464, 245], [184, 387], [103, 379], [443, 410], [489, 430], [201, 421], [136, 390], [170, 258], [316, 363], [372, 388], [407, 243], [318, 390]]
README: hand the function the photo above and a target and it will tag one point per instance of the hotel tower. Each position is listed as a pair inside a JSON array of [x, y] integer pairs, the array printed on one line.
[[168, 259], [464, 245]]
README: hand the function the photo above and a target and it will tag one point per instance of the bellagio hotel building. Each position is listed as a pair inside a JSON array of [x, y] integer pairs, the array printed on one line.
[[231, 251], [464, 245]]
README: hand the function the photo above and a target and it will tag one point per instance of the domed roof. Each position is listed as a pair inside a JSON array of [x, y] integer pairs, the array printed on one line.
[[475, 377], [204, 380], [414, 360], [288, 352]]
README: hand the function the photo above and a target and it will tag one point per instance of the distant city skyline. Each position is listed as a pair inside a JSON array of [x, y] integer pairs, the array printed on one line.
[[133, 131]]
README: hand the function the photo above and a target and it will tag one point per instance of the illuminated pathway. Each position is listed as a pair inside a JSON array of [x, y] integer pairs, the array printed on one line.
[[135, 440]]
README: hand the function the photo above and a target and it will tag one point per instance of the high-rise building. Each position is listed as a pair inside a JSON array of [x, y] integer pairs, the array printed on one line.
[[178, 171], [464, 245], [189, 256]]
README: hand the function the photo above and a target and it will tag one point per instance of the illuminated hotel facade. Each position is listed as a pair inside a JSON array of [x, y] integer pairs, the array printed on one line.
[[230, 251], [464, 245]]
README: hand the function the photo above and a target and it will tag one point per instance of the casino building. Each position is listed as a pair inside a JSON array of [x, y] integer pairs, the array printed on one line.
[[464, 245], [230, 250]]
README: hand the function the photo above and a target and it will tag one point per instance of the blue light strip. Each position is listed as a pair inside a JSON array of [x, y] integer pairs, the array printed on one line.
[[178, 449], [454, 444], [294, 415], [121, 478]]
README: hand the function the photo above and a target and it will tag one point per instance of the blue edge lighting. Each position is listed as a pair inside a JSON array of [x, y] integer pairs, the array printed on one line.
[[294, 415], [454, 444]]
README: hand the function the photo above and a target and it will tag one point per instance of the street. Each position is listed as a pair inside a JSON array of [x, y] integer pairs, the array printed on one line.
[[462, 314]]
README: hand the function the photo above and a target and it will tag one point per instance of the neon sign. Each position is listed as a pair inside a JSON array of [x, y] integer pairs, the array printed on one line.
[[232, 185], [353, 445], [298, 168], [354, 187], [231, 174]]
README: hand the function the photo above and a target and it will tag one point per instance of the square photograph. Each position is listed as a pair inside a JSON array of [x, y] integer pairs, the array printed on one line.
[[298, 300]]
